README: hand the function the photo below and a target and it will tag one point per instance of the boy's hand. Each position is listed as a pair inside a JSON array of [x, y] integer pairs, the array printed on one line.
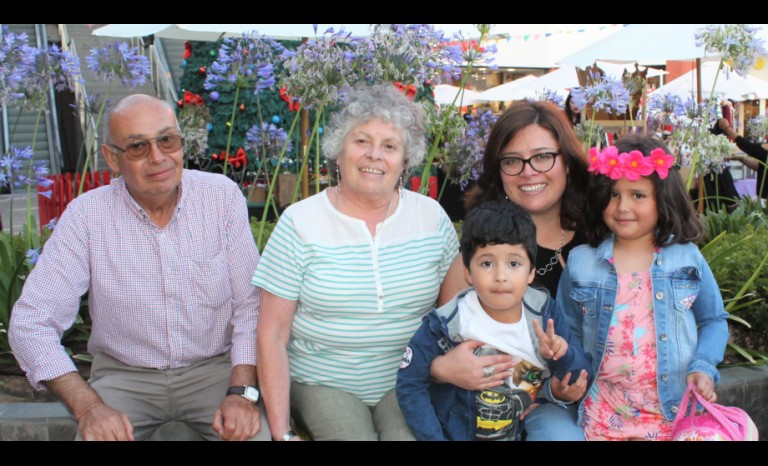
[[704, 385], [551, 346], [573, 392]]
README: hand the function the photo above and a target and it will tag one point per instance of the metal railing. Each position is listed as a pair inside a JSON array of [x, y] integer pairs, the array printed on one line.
[[161, 74]]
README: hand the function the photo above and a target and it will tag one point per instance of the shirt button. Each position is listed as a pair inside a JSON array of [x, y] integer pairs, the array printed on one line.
[[663, 337], [674, 409], [664, 378], [660, 295], [658, 261]]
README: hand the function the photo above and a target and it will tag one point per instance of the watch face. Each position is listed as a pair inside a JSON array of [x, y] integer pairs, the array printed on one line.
[[251, 394]]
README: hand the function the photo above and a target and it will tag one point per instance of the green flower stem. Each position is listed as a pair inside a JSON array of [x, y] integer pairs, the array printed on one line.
[[696, 152], [424, 188], [317, 164], [231, 127], [270, 191], [305, 150], [29, 175], [93, 140]]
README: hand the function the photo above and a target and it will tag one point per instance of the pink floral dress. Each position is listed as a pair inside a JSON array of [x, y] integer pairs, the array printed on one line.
[[623, 403]]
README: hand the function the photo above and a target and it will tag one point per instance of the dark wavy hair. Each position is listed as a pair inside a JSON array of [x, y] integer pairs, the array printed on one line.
[[549, 116], [678, 221], [498, 222], [573, 117]]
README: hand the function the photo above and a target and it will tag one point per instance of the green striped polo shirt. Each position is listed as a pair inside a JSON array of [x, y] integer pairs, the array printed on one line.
[[360, 298]]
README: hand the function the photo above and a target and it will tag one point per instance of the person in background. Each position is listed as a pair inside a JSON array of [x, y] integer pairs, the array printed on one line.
[[572, 111], [173, 312], [756, 154], [640, 296], [498, 246], [534, 159], [348, 274]]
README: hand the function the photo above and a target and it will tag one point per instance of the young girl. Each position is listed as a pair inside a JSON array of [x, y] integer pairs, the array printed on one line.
[[642, 299]]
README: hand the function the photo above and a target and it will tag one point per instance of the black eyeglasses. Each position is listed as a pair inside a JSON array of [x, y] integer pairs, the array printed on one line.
[[541, 163], [167, 144]]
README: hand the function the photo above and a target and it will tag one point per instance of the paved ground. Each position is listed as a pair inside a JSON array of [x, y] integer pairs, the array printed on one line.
[[19, 215]]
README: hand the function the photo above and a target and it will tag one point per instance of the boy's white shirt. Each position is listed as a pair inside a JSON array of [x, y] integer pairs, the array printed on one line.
[[513, 339]]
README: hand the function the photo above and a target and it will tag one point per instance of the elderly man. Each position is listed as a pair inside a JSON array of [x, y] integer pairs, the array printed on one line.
[[166, 255]]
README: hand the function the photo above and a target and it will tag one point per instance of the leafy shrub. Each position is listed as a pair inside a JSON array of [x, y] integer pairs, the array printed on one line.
[[737, 260], [268, 227]]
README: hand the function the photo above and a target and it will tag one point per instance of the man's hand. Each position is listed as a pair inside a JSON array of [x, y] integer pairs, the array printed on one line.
[[237, 419], [573, 392], [103, 422], [551, 346]]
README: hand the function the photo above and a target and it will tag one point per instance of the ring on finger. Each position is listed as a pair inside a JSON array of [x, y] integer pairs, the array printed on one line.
[[488, 371]]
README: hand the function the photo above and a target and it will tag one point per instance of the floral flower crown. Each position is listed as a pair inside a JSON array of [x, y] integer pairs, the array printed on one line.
[[630, 165]]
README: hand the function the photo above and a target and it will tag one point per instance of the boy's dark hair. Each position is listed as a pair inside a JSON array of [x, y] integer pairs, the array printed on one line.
[[678, 221], [498, 222]]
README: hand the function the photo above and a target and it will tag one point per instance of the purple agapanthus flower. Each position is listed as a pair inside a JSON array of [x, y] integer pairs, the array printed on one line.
[[267, 142], [320, 70], [15, 59], [49, 66], [19, 169], [738, 44], [602, 93], [33, 255], [116, 61], [246, 62], [52, 224], [468, 150]]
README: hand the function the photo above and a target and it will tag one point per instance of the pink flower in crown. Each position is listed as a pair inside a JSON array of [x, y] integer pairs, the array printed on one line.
[[661, 162], [635, 165], [594, 159], [610, 163]]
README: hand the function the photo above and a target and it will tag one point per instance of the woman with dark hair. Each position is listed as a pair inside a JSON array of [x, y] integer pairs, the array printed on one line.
[[572, 111], [532, 158]]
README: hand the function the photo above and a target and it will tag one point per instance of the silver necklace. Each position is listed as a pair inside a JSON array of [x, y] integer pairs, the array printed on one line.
[[554, 258]]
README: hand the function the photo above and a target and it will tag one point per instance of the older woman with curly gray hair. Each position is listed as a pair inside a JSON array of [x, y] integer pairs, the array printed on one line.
[[347, 276]]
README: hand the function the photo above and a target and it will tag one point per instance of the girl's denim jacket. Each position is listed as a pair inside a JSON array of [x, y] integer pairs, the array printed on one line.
[[690, 321]]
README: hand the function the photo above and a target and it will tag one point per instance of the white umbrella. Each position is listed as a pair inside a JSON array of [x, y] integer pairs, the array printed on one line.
[[446, 94], [734, 87], [647, 44], [505, 91], [166, 31]]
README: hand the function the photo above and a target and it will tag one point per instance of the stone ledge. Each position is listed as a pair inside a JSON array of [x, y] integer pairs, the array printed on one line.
[[745, 387], [52, 421]]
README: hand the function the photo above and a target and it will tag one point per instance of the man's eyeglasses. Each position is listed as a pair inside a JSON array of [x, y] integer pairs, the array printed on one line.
[[541, 163], [167, 144]]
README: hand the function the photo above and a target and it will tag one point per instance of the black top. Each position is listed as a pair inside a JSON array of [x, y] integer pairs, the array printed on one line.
[[757, 151], [551, 278]]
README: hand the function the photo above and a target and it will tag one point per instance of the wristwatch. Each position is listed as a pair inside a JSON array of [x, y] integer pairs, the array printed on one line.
[[246, 391], [287, 436]]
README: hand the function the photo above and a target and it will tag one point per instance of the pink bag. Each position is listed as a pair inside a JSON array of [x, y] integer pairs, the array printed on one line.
[[718, 423]]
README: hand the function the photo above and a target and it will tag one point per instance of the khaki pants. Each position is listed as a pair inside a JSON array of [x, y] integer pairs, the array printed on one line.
[[153, 397], [332, 414]]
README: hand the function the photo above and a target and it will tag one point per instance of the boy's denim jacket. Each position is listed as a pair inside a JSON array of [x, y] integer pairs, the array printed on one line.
[[442, 411], [690, 321]]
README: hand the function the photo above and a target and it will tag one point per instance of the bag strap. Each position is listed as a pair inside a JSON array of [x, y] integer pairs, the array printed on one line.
[[724, 415]]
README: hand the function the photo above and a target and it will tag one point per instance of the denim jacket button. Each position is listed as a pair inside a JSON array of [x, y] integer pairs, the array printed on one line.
[[663, 337], [664, 378], [658, 261], [674, 409], [660, 295]]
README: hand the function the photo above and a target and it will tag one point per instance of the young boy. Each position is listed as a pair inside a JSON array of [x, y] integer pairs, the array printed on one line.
[[498, 246]]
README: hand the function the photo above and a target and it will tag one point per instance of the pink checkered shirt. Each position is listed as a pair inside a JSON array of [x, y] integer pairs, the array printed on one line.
[[158, 298]]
